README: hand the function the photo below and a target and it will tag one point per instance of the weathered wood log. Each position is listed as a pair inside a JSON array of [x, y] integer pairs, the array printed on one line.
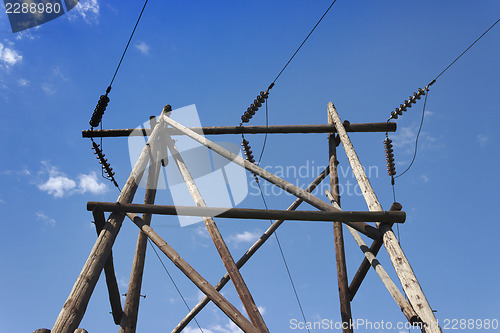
[[42, 330], [109, 272], [250, 213], [128, 323], [401, 264], [251, 251], [228, 261], [338, 238], [365, 265], [74, 308], [81, 330], [290, 188], [194, 276], [271, 129]]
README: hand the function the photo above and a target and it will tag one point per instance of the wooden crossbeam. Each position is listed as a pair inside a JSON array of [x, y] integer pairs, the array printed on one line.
[[401, 264], [364, 228], [250, 213], [271, 129]]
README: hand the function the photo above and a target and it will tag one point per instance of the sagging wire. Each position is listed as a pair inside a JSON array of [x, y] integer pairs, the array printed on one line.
[[416, 96], [173, 282]]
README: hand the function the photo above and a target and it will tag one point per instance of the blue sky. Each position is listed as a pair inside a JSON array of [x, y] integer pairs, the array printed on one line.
[[366, 57]]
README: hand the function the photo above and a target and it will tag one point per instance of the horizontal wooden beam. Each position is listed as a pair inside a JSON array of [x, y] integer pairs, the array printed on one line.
[[247, 213], [271, 129]]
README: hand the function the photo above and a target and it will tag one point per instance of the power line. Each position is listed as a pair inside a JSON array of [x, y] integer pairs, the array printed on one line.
[[467, 49], [173, 282], [284, 261], [128, 43], [303, 42]]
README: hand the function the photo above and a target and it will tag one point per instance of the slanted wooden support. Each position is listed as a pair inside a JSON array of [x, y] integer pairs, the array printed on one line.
[[386, 280], [109, 272], [338, 238], [195, 277], [250, 213], [271, 129], [74, 308], [238, 282], [251, 251], [131, 309], [365, 265], [401, 264], [290, 188]]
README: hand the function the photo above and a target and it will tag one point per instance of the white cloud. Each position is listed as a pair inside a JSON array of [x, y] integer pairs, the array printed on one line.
[[90, 183], [23, 82], [142, 47], [42, 217], [404, 140], [88, 10], [244, 237], [8, 56], [60, 185], [424, 178], [482, 140], [48, 89]]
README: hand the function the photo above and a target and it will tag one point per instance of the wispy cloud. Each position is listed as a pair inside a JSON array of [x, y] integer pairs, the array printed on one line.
[[142, 47], [244, 237], [424, 178], [47, 220], [405, 137], [60, 185], [482, 140], [9, 56], [48, 89], [23, 82], [57, 73], [88, 10]]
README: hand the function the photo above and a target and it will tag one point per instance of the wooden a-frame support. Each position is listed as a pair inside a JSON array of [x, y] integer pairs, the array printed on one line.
[[416, 308]]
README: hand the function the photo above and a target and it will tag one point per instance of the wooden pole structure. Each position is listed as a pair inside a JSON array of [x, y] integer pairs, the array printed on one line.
[[386, 280], [109, 271], [338, 238], [195, 277], [131, 309], [250, 213], [74, 308], [365, 265], [251, 251], [271, 129], [290, 188], [238, 282], [401, 264]]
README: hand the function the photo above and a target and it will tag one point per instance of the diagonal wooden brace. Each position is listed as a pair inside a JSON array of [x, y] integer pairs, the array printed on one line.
[[364, 228], [194, 276]]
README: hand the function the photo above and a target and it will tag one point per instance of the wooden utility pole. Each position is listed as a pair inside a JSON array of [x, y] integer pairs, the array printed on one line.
[[401, 264], [338, 237], [73, 310], [128, 323]]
